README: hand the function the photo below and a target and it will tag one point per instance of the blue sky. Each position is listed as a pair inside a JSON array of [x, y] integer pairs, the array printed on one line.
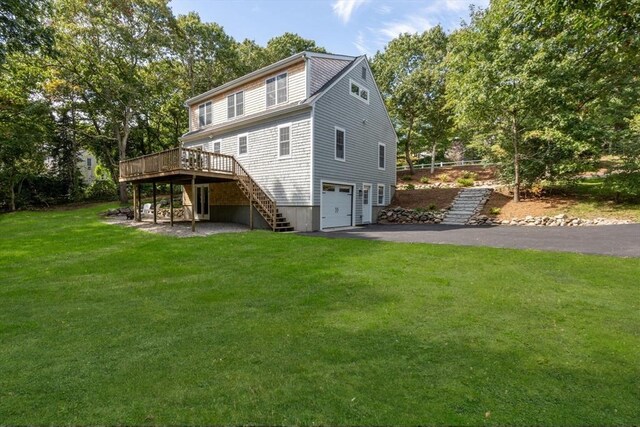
[[351, 27]]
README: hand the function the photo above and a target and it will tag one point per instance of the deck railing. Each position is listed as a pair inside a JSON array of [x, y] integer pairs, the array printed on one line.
[[198, 160]]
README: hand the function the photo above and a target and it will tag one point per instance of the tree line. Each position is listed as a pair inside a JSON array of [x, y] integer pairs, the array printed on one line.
[[542, 88]]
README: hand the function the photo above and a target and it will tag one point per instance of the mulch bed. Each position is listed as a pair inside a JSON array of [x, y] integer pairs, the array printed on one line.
[[442, 198]]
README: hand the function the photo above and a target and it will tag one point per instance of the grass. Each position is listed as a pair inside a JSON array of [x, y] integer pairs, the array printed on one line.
[[107, 325]]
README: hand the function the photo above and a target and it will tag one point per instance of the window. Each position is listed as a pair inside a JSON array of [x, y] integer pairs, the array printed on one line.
[[277, 90], [381, 155], [359, 91], [235, 105], [216, 146], [365, 195], [243, 144], [284, 141], [339, 144], [380, 194], [205, 114], [364, 73], [89, 163]]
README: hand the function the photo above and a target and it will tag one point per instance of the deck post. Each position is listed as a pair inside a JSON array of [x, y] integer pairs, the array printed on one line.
[[171, 203], [155, 213], [193, 203], [251, 205], [135, 202], [139, 198]]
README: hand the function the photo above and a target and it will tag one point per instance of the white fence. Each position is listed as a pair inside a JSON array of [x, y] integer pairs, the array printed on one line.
[[443, 164]]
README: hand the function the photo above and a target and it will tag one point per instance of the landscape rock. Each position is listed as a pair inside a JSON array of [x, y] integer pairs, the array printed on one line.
[[400, 215]]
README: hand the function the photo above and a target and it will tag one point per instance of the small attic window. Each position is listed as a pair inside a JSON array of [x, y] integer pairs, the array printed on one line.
[[364, 73]]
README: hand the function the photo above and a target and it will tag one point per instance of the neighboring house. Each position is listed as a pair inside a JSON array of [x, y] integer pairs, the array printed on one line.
[[311, 131], [87, 165]]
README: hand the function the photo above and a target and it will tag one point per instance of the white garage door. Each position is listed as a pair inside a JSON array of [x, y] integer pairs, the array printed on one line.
[[336, 205]]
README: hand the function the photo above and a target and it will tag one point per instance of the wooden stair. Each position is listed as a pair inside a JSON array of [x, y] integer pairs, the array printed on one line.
[[260, 200]]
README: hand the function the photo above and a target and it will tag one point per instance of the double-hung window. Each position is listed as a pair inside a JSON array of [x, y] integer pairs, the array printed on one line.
[[339, 144], [359, 91], [381, 155], [284, 141], [216, 146], [277, 90], [243, 144], [235, 105], [380, 194], [205, 114]]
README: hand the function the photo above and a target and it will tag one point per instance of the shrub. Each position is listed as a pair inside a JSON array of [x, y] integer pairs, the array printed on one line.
[[101, 190], [411, 187], [494, 211], [465, 182], [407, 177], [470, 175], [443, 177], [433, 207], [424, 179]]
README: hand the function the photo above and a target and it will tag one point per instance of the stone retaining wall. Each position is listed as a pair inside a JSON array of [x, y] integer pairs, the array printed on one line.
[[410, 216], [562, 220]]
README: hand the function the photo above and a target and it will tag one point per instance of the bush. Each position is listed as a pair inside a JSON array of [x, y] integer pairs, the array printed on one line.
[[407, 177], [101, 190], [494, 211], [443, 177], [470, 175], [433, 207], [465, 182], [411, 187], [624, 186], [424, 179]]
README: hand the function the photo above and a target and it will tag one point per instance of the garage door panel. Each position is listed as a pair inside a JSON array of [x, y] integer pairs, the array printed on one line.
[[337, 206]]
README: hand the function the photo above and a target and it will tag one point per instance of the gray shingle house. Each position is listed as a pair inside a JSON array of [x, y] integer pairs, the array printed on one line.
[[306, 141]]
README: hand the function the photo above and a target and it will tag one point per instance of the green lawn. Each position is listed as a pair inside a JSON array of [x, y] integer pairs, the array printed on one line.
[[101, 324]]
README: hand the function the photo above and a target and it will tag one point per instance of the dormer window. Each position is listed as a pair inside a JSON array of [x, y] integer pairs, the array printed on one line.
[[235, 105], [359, 91], [277, 90], [205, 114]]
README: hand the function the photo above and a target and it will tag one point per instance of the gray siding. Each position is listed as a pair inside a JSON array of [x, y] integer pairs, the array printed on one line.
[[287, 180], [323, 70], [365, 126]]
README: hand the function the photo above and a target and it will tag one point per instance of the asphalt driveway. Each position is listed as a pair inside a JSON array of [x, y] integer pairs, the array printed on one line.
[[615, 240]]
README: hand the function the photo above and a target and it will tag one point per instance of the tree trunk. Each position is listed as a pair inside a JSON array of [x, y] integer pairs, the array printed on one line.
[[516, 161], [407, 149], [12, 206], [122, 149], [433, 158]]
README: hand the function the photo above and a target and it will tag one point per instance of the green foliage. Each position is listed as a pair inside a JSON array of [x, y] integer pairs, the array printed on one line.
[[411, 187], [470, 175], [624, 185], [443, 177], [101, 190], [432, 207], [424, 179], [494, 211], [465, 182], [407, 177], [22, 29]]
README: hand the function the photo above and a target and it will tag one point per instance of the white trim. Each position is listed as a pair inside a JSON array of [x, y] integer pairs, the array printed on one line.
[[335, 144], [204, 104], [284, 125], [307, 72], [240, 135], [385, 156], [213, 145], [361, 87], [353, 199], [275, 77], [378, 195], [312, 145], [366, 184]]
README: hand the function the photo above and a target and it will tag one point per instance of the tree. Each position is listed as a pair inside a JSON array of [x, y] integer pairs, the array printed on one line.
[[103, 49], [22, 28], [412, 79]]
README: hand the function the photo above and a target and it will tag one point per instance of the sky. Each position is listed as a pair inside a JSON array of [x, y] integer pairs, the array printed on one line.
[[349, 27]]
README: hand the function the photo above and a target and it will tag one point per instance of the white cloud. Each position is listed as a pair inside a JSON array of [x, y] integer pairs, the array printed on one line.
[[361, 44], [384, 9], [410, 24], [344, 8]]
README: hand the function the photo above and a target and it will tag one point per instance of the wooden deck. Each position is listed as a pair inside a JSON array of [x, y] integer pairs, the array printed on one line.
[[188, 165]]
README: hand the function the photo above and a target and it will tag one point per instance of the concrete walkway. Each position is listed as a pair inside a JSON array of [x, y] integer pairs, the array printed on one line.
[[615, 240]]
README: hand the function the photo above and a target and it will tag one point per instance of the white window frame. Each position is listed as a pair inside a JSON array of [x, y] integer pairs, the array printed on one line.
[[335, 144], [235, 105], [384, 160], [217, 142], [275, 78], [205, 105], [378, 187], [361, 88], [285, 125], [240, 135]]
